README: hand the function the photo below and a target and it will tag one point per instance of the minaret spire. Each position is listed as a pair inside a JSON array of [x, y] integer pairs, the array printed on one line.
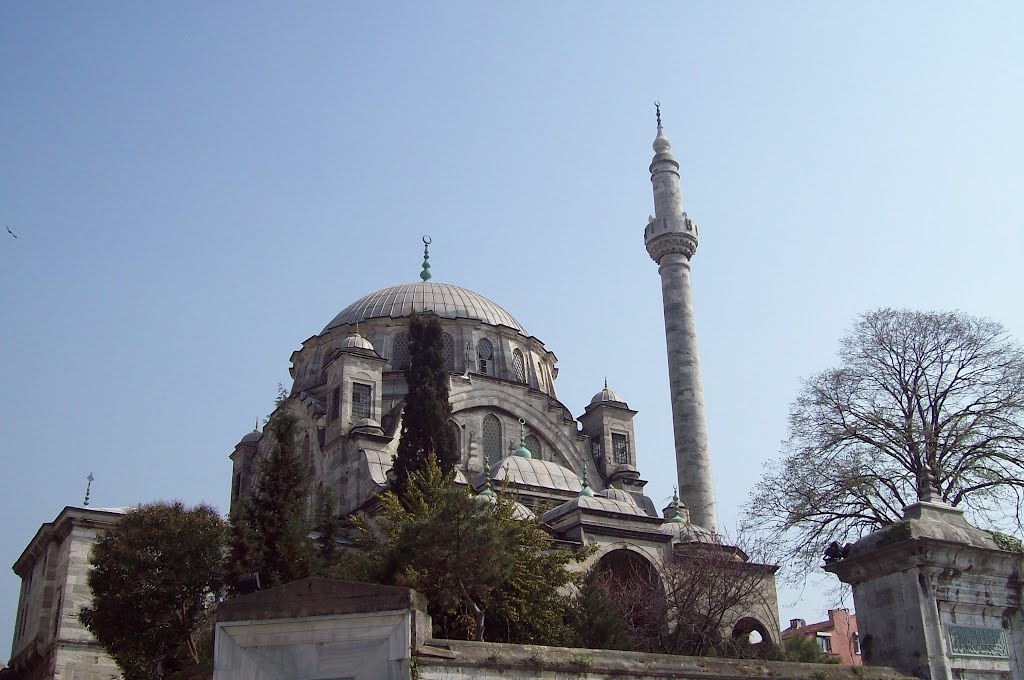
[[671, 240]]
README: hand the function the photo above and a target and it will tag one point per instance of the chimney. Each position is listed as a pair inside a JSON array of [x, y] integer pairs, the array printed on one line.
[[796, 623]]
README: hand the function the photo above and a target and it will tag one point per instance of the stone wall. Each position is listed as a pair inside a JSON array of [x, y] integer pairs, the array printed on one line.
[[459, 660], [318, 628]]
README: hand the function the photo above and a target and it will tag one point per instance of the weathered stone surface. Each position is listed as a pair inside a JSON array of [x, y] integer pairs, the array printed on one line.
[[459, 660], [936, 598]]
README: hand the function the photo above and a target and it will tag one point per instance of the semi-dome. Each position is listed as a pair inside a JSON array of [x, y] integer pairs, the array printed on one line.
[[443, 299]]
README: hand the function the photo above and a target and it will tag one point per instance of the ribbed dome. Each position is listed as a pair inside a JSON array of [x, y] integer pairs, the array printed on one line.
[[444, 300], [357, 342], [534, 472], [606, 395]]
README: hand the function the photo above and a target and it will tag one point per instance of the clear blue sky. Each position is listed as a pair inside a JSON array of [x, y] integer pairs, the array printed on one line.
[[198, 187]]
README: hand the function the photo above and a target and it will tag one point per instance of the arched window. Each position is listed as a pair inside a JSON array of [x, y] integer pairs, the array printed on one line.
[[400, 352], [448, 352], [485, 355], [519, 367], [492, 439], [533, 443], [456, 431]]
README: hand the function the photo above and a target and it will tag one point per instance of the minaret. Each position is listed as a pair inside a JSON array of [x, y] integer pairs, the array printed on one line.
[[671, 240]]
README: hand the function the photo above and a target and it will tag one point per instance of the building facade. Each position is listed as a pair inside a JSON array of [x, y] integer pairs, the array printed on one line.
[[836, 638], [50, 643], [582, 470]]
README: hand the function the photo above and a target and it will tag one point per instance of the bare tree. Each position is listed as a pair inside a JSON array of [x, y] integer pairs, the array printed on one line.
[[705, 602], [924, 406]]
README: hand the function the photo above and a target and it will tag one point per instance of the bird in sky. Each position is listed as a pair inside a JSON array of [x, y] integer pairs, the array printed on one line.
[[11, 232]]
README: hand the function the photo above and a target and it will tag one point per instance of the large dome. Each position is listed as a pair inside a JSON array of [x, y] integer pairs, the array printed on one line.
[[445, 300]]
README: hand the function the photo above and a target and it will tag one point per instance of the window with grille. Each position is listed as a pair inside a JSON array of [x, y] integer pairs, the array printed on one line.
[[334, 407], [518, 366], [620, 446], [400, 352], [360, 401], [533, 443], [492, 439], [856, 643], [448, 352], [485, 354]]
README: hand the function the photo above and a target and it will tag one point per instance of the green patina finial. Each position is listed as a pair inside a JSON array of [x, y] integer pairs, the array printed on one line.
[[425, 274], [586, 490], [676, 515], [522, 451]]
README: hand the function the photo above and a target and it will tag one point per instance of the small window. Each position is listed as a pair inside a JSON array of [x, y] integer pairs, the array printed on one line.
[[595, 448], [620, 446], [824, 643], [856, 643], [518, 366], [448, 352], [533, 444], [334, 408], [485, 355], [400, 352], [492, 439], [236, 486], [360, 401]]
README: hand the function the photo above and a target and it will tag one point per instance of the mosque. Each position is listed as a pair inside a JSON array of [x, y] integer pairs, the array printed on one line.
[[581, 471]]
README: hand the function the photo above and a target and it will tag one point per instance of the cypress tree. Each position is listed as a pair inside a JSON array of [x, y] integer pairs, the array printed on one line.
[[270, 533], [427, 412]]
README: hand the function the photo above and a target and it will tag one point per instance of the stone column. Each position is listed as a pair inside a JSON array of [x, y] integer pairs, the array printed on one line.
[[671, 239]]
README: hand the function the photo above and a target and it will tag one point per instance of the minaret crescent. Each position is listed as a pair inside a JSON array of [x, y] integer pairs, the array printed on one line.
[[671, 240]]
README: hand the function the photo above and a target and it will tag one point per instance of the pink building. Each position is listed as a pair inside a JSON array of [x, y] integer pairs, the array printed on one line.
[[836, 638]]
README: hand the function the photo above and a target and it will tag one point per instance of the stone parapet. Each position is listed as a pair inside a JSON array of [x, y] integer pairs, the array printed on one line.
[[460, 660]]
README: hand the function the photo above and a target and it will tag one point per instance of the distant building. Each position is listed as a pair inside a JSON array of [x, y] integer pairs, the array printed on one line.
[[836, 638], [49, 641]]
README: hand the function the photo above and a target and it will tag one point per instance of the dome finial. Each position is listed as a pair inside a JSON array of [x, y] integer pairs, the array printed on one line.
[[606, 382], [676, 516], [256, 425], [357, 329], [522, 451], [425, 274], [662, 145], [586, 490]]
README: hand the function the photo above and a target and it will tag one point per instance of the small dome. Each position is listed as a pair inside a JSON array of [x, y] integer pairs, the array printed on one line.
[[682, 531], [519, 512], [606, 395], [357, 342], [594, 504], [368, 425], [534, 472], [611, 493], [251, 437]]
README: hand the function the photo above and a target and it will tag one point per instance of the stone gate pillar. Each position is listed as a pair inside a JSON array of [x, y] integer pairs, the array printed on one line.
[[937, 597]]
